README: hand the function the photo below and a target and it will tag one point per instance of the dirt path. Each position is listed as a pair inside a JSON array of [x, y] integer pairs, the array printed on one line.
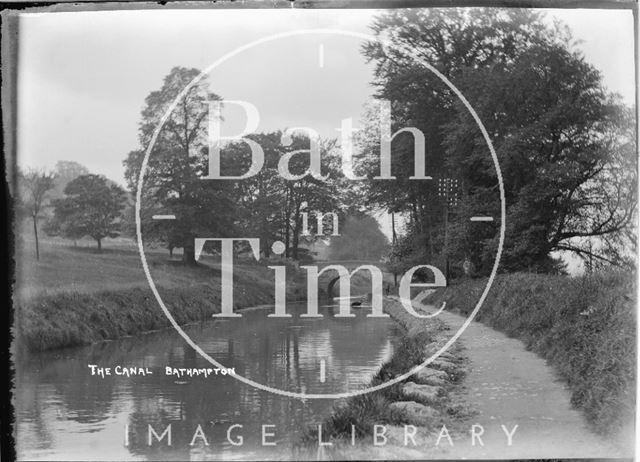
[[508, 385]]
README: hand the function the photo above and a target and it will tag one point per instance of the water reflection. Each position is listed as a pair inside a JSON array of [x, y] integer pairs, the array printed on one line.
[[64, 413]]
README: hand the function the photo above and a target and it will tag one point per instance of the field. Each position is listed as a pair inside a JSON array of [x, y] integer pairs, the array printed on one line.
[[75, 295], [64, 267]]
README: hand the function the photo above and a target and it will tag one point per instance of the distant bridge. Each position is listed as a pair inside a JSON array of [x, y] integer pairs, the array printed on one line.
[[350, 265]]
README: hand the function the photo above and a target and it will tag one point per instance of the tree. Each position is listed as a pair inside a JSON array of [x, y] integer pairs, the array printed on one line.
[[173, 179], [306, 195], [34, 187], [92, 207], [259, 199], [563, 144], [271, 207], [454, 41], [65, 171], [566, 150]]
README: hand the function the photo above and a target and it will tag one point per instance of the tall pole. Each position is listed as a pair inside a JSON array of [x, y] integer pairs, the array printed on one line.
[[394, 241], [446, 240], [447, 188]]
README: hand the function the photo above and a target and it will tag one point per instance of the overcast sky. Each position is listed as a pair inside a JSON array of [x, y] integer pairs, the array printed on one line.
[[83, 76]]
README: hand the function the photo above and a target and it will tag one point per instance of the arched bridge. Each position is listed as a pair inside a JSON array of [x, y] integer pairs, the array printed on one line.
[[330, 278]]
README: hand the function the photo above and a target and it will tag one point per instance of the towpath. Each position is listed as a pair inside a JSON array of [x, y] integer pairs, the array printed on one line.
[[506, 385]]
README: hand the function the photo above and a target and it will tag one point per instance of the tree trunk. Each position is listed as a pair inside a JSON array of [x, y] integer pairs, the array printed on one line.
[[189, 256], [287, 226], [99, 241], [35, 233], [296, 241], [296, 232], [394, 238], [287, 239], [428, 225]]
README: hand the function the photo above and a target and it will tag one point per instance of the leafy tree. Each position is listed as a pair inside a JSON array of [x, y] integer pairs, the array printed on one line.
[[454, 41], [264, 205], [566, 150], [173, 179], [270, 206], [563, 144], [307, 195], [34, 186], [259, 199], [92, 207]]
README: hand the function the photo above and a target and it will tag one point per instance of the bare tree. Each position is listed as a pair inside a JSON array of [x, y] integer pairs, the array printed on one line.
[[34, 186]]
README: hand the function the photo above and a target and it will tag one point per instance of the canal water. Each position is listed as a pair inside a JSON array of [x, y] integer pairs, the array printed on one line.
[[64, 413]]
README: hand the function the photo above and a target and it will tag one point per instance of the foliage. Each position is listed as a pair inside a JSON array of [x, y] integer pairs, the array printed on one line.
[[271, 206], [91, 207], [264, 205], [173, 181], [568, 173], [565, 146]]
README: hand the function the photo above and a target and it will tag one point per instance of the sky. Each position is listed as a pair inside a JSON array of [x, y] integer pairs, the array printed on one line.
[[83, 76]]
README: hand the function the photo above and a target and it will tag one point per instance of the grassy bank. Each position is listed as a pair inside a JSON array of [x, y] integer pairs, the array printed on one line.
[[77, 296], [584, 327], [70, 318]]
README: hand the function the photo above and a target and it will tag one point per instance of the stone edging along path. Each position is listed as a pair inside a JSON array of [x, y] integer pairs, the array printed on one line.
[[513, 404], [424, 412]]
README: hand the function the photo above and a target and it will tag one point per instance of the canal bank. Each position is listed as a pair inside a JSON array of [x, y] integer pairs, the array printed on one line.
[[381, 424], [73, 318]]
